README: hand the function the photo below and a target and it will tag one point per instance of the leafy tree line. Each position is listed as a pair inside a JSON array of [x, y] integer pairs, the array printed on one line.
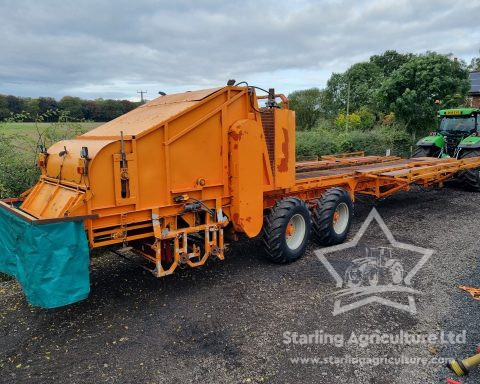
[[75, 107], [474, 64], [391, 88]]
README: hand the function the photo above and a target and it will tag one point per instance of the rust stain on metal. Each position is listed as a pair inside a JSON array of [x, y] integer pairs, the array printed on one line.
[[236, 216], [283, 166], [236, 136]]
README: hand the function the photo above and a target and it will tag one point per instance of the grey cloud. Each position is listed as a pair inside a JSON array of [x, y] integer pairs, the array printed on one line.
[[110, 48]]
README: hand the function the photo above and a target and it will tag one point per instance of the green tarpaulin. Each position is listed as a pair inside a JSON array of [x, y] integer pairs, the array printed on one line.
[[50, 261]]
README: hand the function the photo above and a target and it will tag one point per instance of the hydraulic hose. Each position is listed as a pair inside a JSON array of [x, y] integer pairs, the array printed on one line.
[[462, 367]]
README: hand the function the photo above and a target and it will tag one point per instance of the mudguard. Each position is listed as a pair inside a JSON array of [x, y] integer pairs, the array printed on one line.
[[429, 141], [49, 258], [470, 142]]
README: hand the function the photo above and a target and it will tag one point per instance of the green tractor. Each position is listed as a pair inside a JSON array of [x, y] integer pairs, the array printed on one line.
[[458, 136]]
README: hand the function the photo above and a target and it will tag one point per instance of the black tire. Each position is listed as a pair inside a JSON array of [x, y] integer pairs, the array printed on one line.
[[432, 151], [470, 178], [323, 216], [275, 227]]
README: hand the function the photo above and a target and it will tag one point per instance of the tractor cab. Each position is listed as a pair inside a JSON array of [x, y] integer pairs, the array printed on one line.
[[458, 130], [456, 125]]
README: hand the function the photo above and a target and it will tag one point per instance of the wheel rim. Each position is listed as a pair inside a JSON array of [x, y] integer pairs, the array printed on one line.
[[295, 231], [340, 218]]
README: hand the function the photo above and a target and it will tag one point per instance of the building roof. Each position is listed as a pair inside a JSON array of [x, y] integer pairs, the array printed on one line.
[[475, 82]]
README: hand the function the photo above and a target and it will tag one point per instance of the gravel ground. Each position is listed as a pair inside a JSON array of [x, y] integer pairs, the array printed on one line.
[[225, 322]]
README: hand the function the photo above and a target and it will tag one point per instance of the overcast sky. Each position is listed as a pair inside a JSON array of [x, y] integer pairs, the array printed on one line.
[[111, 49]]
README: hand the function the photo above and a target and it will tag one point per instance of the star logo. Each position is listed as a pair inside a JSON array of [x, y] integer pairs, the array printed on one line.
[[379, 276]]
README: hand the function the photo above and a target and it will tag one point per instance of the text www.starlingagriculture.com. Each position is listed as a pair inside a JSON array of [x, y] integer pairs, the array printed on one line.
[[348, 359]]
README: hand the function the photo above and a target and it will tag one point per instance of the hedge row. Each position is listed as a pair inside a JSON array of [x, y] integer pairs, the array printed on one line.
[[375, 142]]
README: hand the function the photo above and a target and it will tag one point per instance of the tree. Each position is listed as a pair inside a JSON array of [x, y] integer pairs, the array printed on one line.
[[73, 105], [32, 108], [336, 95], [362, 119], [358, 85], [15, 104], [76, 108], [89, 109], [354, 120], [367, 118], [110, 109], [46, 104], [4, 111], [128, 105], [365, 79], [474, 64], [419, 87], [390, 61], [361, 82], [307, 105]]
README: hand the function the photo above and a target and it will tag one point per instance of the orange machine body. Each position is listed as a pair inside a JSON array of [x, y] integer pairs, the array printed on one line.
[[197, 163], [208, 145]]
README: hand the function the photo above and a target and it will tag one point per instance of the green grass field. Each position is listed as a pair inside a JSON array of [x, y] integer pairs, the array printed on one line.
[[31, 128]]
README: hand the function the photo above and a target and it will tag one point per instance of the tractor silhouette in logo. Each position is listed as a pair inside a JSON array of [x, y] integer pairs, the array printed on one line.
[[377, 267]]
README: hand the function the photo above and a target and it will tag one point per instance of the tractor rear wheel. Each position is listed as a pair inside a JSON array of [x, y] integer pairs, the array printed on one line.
[[286, 230], [432, 151], [471, 177], [332, 217]]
